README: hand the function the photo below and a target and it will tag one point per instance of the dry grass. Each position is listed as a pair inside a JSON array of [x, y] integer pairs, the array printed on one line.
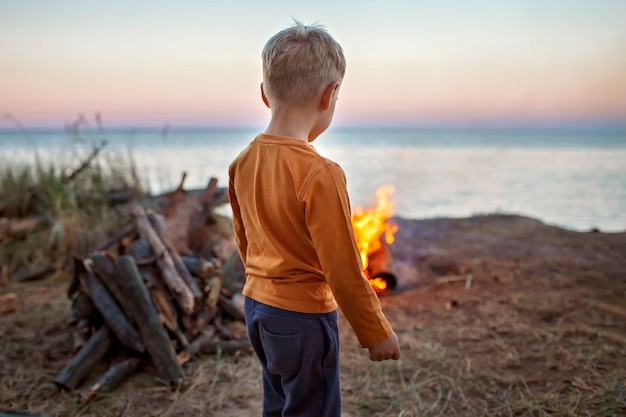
[[78, 212], [544, 339]]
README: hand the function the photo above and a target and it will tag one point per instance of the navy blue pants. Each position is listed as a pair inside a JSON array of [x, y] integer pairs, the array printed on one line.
[[299, 355]]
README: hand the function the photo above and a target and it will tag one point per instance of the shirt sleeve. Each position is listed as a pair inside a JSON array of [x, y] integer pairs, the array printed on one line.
[[240, 233], [328, 219]]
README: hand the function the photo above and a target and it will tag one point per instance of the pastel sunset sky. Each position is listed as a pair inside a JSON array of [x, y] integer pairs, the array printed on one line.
[[409, 62]]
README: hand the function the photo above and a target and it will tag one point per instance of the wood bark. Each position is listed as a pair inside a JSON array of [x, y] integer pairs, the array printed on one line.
[[110, 379], [79, 367], [200, 267], [105, 270], [200, 216], [159, 226], [233, 273], [230, 308], [154, 335], [116, 238], [183, 295], [111, 312]]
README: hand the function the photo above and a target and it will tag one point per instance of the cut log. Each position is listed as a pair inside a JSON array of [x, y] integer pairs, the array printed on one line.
[[199, 218], [104, 268], [82, 308], [144, 258], [213, 288], [111, 312], [116, 238], [230, 308], [153, 333], [172, 279], [167, 313], [205, 337], [159, 226], [110, 379], [200, 267], [169, 202], [79, 367], [233, 273]]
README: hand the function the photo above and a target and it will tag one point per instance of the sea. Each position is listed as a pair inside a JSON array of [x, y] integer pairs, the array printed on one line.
[[571, 179]]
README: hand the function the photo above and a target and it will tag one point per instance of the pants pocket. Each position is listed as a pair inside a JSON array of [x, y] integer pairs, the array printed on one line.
[[282, 352]]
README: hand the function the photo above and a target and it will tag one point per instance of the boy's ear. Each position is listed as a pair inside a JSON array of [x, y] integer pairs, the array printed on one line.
[[264, 97], [328, 95]]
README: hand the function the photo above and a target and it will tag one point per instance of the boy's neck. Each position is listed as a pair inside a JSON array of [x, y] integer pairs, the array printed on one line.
[[292, 122]]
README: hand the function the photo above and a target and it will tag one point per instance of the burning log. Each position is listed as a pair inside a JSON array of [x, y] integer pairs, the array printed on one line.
[[110, 379], [153, 334], [379, 269], [374, 232], [79, 367]]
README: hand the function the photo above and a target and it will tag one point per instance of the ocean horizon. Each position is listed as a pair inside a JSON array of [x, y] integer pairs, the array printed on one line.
[[572, 178]]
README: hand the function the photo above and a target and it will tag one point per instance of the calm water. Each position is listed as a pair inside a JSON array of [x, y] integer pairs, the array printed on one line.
[[573, 180]]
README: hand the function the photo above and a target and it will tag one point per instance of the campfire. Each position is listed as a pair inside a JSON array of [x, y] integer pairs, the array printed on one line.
[[374, 232]]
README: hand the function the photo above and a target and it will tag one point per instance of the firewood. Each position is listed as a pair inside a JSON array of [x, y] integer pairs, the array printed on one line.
[[153, 333], [200, 267], [205, 337], [111, 312], [104, 268], [159, 226], [142, 253], [82, 308], [213, 288], [233, 273], [110, 379], [170, 201], [183, 295], [116, 238], [230, 308], [79, 367], [200, 216]]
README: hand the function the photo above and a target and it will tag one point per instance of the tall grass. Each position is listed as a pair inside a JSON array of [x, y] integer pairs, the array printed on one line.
[[77, 210]]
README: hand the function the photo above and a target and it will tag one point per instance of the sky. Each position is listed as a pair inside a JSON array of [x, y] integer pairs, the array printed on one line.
[[409, 63]]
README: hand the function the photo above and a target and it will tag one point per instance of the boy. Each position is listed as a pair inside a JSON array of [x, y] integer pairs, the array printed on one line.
[[291, 216]]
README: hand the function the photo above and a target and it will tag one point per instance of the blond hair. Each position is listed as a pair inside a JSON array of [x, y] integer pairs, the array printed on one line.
[[299, 62]]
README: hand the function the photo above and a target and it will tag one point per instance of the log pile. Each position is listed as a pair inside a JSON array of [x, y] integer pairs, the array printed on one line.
[[138, 303]]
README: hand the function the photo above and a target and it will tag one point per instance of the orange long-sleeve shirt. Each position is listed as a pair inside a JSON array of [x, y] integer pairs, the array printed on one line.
[[291, 216]]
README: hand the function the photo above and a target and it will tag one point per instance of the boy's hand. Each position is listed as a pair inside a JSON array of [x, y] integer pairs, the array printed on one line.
[[387, 349]]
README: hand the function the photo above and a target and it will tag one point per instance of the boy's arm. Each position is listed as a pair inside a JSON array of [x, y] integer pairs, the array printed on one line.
[[329, 223], [240, 234]]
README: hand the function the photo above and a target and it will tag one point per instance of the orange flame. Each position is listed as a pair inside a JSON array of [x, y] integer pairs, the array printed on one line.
[[371, 224]]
